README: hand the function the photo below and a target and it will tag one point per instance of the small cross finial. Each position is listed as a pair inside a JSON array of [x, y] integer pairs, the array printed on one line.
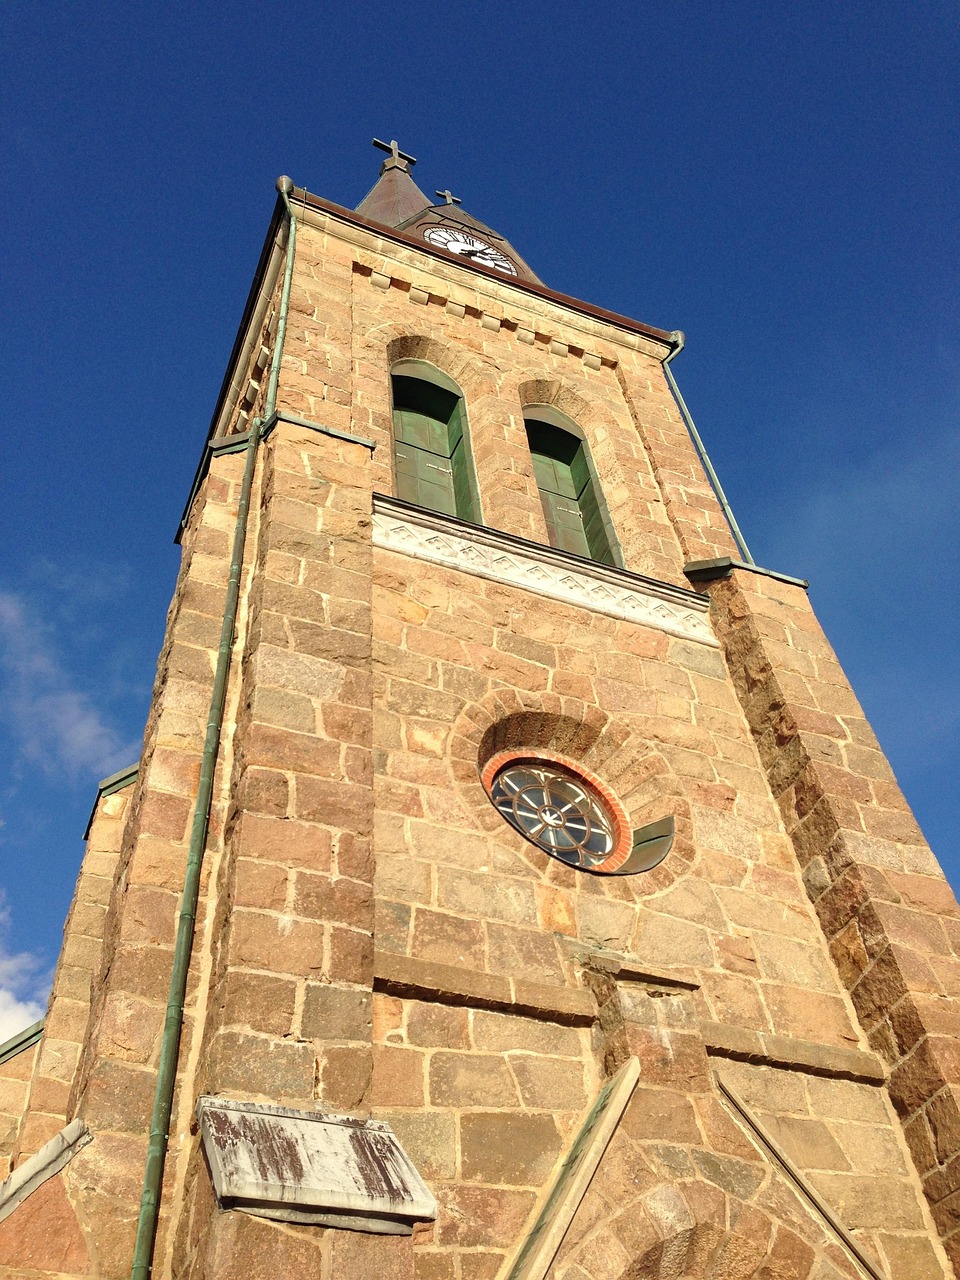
[[394, 152], [449, 197]]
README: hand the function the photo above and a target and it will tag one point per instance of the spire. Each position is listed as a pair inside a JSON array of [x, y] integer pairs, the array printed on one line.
[[395, 197]]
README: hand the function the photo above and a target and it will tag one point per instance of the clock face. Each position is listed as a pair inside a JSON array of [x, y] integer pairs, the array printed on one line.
[[465, 245]]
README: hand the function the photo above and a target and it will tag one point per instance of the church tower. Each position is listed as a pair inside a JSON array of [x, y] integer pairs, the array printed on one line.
[[510, 885]]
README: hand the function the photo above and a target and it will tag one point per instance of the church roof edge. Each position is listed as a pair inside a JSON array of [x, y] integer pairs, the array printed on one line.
[[309, 200]]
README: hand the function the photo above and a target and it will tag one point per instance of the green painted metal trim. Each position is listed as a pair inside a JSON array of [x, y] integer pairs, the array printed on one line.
[[723, 567], [228, 444], [24, 1039], [678, 345], [546, 1232], [281, 415], [107, 786], [186, 925]]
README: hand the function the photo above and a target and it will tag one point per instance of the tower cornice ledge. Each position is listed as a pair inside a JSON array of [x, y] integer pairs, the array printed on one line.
[[503, 557], [306, 202]]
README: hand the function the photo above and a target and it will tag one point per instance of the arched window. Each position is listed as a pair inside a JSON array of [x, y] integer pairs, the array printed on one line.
[[574, 511], [430, 449]]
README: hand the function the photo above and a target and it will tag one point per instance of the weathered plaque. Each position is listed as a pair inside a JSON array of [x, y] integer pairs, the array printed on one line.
[[312, 1167]]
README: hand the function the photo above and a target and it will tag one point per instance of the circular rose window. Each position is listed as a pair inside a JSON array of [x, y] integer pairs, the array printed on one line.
[[563, 810]]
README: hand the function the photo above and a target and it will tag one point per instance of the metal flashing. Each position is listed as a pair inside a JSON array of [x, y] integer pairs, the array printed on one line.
[[220, 445], [107, 786], [35, 1171], [282, 416], [805, 1189], [312, 1167], [264, 280], [24, 1039], [723, 567]]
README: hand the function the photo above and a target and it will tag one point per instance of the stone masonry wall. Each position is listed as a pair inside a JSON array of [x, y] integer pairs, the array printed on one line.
[[118, 1074], [373, 937], [48, 1103], [292, 966], [456, 656], [358, 308], [15, 1076], [890, 917], [684, 1190], [118, 986]]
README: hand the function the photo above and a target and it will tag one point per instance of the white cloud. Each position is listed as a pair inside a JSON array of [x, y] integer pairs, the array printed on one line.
[[24, 983], [53, 724], [16, 1014]]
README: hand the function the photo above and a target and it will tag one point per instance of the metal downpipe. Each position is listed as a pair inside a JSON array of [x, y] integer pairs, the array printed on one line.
[[173, 1023], [679, 342]]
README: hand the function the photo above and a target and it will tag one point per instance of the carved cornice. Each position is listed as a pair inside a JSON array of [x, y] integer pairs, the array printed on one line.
[[488, 553]]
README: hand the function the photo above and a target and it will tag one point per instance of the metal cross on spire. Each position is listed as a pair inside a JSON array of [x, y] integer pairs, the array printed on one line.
[[449, 197], [394, 152]]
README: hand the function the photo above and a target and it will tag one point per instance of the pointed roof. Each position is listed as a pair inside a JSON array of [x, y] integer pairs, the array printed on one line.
[[396, 201], [452, 214], [394, 197]]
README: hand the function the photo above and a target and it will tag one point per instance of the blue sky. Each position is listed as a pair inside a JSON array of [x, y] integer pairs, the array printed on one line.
[[779, 181]]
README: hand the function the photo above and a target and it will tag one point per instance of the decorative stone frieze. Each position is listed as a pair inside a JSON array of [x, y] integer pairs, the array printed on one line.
[[397, 526]]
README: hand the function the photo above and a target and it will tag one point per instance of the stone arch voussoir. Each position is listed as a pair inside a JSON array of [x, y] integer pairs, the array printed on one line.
[[463, 366], [629, 766], [691, 1230]]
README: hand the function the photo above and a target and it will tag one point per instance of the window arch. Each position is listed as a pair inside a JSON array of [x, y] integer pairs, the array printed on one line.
[[433, 467], [573, 506]]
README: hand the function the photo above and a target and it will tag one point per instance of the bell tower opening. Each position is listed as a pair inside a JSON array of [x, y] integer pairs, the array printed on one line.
[[430, 448], [572, 505]]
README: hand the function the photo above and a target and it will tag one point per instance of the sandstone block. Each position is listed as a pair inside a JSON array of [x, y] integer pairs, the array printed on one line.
[[166, 815], [398, 1077], [503, 1032], [336, 1013], [661, 1115], [345, 1076], [318, 897], [870, 1203], [429, 1139], [43, 1234], [119, 1097], [252, 1066], [283, 840], [525, 951], [555, 1084], [258, 1002], [448, 939], [473, 1216], [276, 944], [511, 1150], [261, 885], [472, 1080], [386, 1257], [335, 804], [436, 1026]]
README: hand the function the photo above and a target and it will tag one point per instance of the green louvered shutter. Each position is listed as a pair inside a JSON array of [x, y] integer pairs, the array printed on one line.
[[570, 503], [429, 447]]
